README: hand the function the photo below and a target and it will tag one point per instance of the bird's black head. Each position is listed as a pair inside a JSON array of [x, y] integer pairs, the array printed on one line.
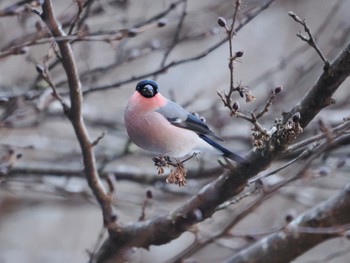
[[147, 88]]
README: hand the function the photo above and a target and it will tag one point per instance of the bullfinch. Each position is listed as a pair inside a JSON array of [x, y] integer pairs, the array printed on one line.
[[163, 127]]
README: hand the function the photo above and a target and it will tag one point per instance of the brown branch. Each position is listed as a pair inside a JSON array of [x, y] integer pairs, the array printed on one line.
[[230, 32], [44, 73], [76, 19], [276, 91], [301, 234], [75, 115]]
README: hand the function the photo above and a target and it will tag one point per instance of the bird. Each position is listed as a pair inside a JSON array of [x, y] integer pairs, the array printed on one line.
[[163, 127]]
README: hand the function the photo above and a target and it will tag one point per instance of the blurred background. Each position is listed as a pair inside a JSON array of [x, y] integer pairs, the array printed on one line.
[[47, 211]]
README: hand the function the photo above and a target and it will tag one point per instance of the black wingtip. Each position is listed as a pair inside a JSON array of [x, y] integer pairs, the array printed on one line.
[[226, 153]]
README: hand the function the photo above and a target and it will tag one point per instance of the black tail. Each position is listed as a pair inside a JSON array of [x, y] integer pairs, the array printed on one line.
[[226, 153]]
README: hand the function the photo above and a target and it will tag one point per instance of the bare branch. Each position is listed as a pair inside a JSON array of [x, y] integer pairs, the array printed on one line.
[[44, 73], [75, 115], [310, 39], [276, 91]]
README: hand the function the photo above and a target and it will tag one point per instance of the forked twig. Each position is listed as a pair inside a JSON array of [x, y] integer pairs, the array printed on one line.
[[310, 39]]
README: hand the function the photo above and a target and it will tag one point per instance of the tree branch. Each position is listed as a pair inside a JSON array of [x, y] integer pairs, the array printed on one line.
[[75, 115]]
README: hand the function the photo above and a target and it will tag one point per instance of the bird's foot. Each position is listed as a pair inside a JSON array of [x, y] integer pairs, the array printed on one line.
[[163, 161]]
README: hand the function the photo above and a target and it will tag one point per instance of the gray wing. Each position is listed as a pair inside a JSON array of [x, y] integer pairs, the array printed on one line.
[[179, 117]]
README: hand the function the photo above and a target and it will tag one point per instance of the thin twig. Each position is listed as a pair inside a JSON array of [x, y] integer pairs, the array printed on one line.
[[77, 16], [176, 38], [44, 73], [310, 39], [230, 33], [269, 102], [98, 139]]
